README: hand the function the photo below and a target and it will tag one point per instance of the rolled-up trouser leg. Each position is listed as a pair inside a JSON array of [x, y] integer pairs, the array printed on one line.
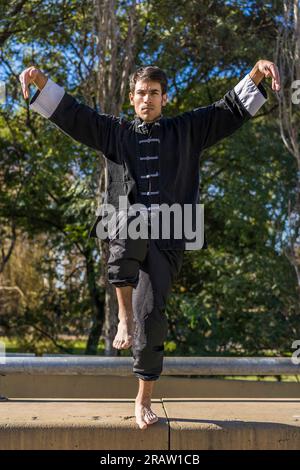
[[125, 254], [156, 276], [125, 258]]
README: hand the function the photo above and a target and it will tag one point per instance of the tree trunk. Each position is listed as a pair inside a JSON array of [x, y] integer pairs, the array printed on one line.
[[288, 60], [115, 52]]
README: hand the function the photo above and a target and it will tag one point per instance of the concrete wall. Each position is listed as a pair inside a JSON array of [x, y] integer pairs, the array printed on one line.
[[50, 386]]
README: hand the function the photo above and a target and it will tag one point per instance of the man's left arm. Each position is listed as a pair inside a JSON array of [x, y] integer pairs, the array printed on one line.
[[212, 123]]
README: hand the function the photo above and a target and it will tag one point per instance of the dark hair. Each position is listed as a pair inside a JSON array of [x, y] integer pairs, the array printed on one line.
[[150, 72]]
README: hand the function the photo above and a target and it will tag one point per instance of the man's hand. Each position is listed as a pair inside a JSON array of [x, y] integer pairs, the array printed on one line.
[[32, 75], [265, 68]]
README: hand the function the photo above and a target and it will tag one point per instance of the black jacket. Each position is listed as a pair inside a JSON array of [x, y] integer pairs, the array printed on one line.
[[177, 143]]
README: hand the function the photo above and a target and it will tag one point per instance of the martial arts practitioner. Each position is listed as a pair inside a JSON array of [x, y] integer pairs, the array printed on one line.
[[151, 160]]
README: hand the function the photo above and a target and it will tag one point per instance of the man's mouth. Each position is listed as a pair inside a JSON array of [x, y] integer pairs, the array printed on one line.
[[146, 109]]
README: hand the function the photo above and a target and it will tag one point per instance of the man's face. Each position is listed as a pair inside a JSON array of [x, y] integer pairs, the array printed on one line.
[[148, 100]]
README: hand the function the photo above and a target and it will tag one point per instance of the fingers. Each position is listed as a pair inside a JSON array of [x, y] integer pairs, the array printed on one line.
[[271, 70], [275, 77], [26, 77], [23, 84], [32, 73]]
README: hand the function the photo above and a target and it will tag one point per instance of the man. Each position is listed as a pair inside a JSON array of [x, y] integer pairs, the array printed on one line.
[[151, 160]]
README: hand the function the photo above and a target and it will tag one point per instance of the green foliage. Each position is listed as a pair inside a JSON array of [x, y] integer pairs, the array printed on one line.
[[238, 297]]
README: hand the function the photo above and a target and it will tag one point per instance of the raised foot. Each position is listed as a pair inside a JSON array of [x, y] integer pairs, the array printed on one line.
[[124, 336]]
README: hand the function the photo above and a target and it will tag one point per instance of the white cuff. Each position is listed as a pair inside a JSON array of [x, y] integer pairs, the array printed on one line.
[[46, 101], [249, 94]]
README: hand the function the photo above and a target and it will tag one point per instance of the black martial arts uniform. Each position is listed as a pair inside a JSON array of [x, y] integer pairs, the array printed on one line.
[[151, 164]]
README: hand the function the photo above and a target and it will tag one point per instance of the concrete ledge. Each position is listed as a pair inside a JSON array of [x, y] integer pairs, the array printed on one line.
[[233, 424], [78, 425], [184, 424]]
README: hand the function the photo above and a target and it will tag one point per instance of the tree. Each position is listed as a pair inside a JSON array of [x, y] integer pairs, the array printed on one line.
[[288, 59]]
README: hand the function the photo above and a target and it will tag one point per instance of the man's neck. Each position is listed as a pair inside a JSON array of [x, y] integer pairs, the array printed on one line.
[[149, 122]]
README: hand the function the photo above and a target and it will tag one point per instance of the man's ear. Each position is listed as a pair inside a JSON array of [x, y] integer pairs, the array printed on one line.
[[164, 99], [130, 97]]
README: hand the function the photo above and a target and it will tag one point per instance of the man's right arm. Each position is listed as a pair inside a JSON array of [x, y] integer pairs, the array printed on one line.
[[77, 120]]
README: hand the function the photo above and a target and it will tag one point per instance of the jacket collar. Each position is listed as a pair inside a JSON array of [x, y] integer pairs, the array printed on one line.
[[140, 123]]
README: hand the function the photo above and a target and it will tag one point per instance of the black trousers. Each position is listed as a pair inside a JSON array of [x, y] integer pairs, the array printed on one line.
[[151, 271]]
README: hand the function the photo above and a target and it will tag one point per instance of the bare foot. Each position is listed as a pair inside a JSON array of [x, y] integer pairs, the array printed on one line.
[[124, 336], [144, 415]]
